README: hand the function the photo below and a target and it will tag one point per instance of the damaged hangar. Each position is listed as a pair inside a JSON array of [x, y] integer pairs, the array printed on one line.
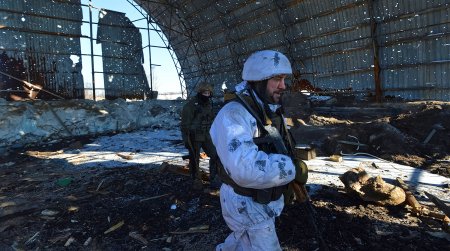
[[381, 47], [378, 48], [92, 158]]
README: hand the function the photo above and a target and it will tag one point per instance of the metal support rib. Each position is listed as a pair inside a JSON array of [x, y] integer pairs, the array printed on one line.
[[164, 40], [193, 44], [231, 42]]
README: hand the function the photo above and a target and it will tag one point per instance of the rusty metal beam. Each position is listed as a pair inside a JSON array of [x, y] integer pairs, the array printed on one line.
[[30, 85], [376, 54], [41, 15], [25, 30]]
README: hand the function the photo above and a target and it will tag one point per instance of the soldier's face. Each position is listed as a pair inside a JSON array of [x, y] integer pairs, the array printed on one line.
[[206, 93], [274, 88]]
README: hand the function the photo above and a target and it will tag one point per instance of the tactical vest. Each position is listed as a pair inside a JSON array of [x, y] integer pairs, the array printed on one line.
[[202, 120], [262, 196]]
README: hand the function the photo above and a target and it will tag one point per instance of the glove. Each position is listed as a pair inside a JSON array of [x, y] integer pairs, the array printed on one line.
[[301, 171], [301, 176]]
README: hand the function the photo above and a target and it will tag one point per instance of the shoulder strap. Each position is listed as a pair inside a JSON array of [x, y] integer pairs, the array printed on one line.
[[270, 133], [261, 109], [250, 109]]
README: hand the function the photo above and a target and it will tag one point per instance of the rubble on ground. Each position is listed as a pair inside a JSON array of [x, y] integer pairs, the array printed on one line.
[[372, 189], [110, 192]]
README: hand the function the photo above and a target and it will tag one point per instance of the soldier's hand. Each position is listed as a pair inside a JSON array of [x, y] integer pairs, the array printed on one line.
[[301, 171]]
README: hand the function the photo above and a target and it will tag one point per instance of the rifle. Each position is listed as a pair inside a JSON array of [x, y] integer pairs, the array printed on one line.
[[299, 189]]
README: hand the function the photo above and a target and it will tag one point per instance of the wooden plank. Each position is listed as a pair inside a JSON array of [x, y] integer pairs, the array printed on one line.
[[439, 203]]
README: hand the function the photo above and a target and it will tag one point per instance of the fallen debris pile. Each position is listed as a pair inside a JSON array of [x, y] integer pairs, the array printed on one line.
[[372, 189]]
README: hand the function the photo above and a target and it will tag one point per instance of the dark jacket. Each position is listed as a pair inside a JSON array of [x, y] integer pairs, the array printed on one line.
[[196, 119]]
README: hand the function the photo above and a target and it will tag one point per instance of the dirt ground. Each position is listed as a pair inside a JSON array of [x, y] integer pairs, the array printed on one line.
[[394, 132], [44, 205]]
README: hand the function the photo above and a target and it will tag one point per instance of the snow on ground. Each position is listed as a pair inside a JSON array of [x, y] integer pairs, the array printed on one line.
[[152, 147], [144, 147], [325, 172]]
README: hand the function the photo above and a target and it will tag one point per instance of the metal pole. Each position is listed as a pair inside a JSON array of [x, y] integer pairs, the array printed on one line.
[[92, 50], [150, 56], [375, 49]]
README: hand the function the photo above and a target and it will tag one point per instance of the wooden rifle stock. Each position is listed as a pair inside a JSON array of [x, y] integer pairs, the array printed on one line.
[[300, 192]]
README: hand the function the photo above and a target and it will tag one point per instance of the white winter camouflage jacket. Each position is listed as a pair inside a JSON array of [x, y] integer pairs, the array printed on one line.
[[232, 133]]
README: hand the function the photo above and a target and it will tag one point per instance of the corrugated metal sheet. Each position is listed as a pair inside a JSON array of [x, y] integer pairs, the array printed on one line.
[[330, 42], [338, 38], [43, 35], [415, 38], [124, 75]]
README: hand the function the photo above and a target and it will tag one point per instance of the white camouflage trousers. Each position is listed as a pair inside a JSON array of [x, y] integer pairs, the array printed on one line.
[[253, 224]]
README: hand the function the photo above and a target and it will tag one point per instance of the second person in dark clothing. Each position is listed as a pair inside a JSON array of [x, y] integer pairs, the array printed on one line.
[[196, 120]]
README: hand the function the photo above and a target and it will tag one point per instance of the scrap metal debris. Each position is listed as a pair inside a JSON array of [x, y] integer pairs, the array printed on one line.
[[193, 230], [434, 129], [69, 241], [439, 203]]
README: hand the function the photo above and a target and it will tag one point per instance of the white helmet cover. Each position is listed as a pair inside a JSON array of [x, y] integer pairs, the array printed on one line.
[[263, 65]]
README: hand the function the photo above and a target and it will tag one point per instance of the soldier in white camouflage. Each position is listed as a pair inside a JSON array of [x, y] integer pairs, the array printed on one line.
[[253, 173]]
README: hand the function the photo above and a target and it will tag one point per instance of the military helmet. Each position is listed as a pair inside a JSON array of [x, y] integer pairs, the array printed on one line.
[[266, 64], [204, 87]]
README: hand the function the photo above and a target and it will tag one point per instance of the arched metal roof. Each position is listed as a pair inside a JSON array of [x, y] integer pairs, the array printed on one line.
[[376, 48], [383, 47]]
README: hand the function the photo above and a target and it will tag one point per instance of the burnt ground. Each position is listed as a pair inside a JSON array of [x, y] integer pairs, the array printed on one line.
[[47, 205]]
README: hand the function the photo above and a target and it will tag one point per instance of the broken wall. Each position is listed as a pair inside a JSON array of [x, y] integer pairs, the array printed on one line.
[[40, 44], [123, 72]]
